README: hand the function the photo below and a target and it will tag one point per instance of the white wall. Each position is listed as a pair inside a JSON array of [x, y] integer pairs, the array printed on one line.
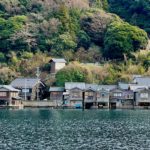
[[59, 66]]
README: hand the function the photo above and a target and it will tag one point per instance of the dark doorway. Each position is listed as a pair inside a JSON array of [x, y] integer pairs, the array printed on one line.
[[144, 104], [88, 105], [102, 105], [113, 105], [3, 102]]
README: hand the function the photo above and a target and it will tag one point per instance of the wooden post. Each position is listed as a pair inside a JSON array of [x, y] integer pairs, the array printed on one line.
[[63, 101], [134, 100], [83, 100]]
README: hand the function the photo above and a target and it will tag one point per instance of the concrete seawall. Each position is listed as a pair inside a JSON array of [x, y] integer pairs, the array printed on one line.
[[38, 104]]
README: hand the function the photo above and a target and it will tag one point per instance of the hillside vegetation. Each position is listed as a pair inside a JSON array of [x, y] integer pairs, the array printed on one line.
[[89, 31]]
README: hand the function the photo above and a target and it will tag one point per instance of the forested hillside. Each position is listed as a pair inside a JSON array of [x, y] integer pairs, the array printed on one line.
[[88, 31], [136, 12]]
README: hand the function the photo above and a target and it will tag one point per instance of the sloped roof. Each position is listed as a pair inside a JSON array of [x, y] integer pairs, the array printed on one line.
[[25, 82], [137, 87], [83, 86], [56, 89], [58, 60], [107, 87], [117, 90], [141, 89], [93, 87], [131, 86], [142, 81], [8, 88], [72, 85], [123, 86]]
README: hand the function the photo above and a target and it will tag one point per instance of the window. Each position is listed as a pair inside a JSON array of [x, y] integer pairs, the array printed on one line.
[[3, 94], [144, 95], [89, 94], [117, 94], [103, 95], [76, 94], [25, 90]]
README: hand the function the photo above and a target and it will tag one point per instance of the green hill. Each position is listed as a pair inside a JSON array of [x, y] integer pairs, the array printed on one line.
[[88, 31]]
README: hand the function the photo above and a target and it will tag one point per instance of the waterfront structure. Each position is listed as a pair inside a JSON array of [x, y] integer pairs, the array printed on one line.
[[83, 95], [90, 95], [8, 95], [142, 97], [56, 64], [103, 98], [56, 95], [75, 93], [30, 88], [120, 98]]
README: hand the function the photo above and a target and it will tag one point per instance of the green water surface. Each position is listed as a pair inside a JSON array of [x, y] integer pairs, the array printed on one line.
[[46, 129]]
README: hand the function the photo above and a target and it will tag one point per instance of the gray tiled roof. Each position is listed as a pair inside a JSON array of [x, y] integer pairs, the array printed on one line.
[[56, 89], [107, 87], [91, 86], [141, 89], [123, 86], [58, 60], [72, 85], [143, 81], [8, 88], [136, 87], [83, 86], [25, 82]]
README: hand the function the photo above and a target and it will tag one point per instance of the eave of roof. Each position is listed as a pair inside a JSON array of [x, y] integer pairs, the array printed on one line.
[[26, 82], [58, 60], [56, 89], [9, 88]]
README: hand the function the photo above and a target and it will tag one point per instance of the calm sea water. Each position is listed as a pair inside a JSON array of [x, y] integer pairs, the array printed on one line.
[[45, 129]]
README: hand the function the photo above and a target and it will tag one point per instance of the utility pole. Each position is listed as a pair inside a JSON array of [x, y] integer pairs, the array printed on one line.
[[37, 75], [25, 92]]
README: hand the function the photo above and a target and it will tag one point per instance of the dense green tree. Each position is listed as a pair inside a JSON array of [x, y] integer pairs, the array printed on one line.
[[122, 39], [134, 11], [2, 57], [31, 30], [73, 73], [9, 27], [95, 24]]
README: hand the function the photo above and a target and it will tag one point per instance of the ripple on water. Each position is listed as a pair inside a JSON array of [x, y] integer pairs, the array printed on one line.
[[43, 129]]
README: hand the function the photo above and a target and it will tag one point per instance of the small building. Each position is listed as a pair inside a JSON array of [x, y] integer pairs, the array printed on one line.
[[103, 93], [56, 64], [8, 94], [56, 95], [142, 97], [121, 98], [30, 88], [103, 98], [75, 93], [90, 95]]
